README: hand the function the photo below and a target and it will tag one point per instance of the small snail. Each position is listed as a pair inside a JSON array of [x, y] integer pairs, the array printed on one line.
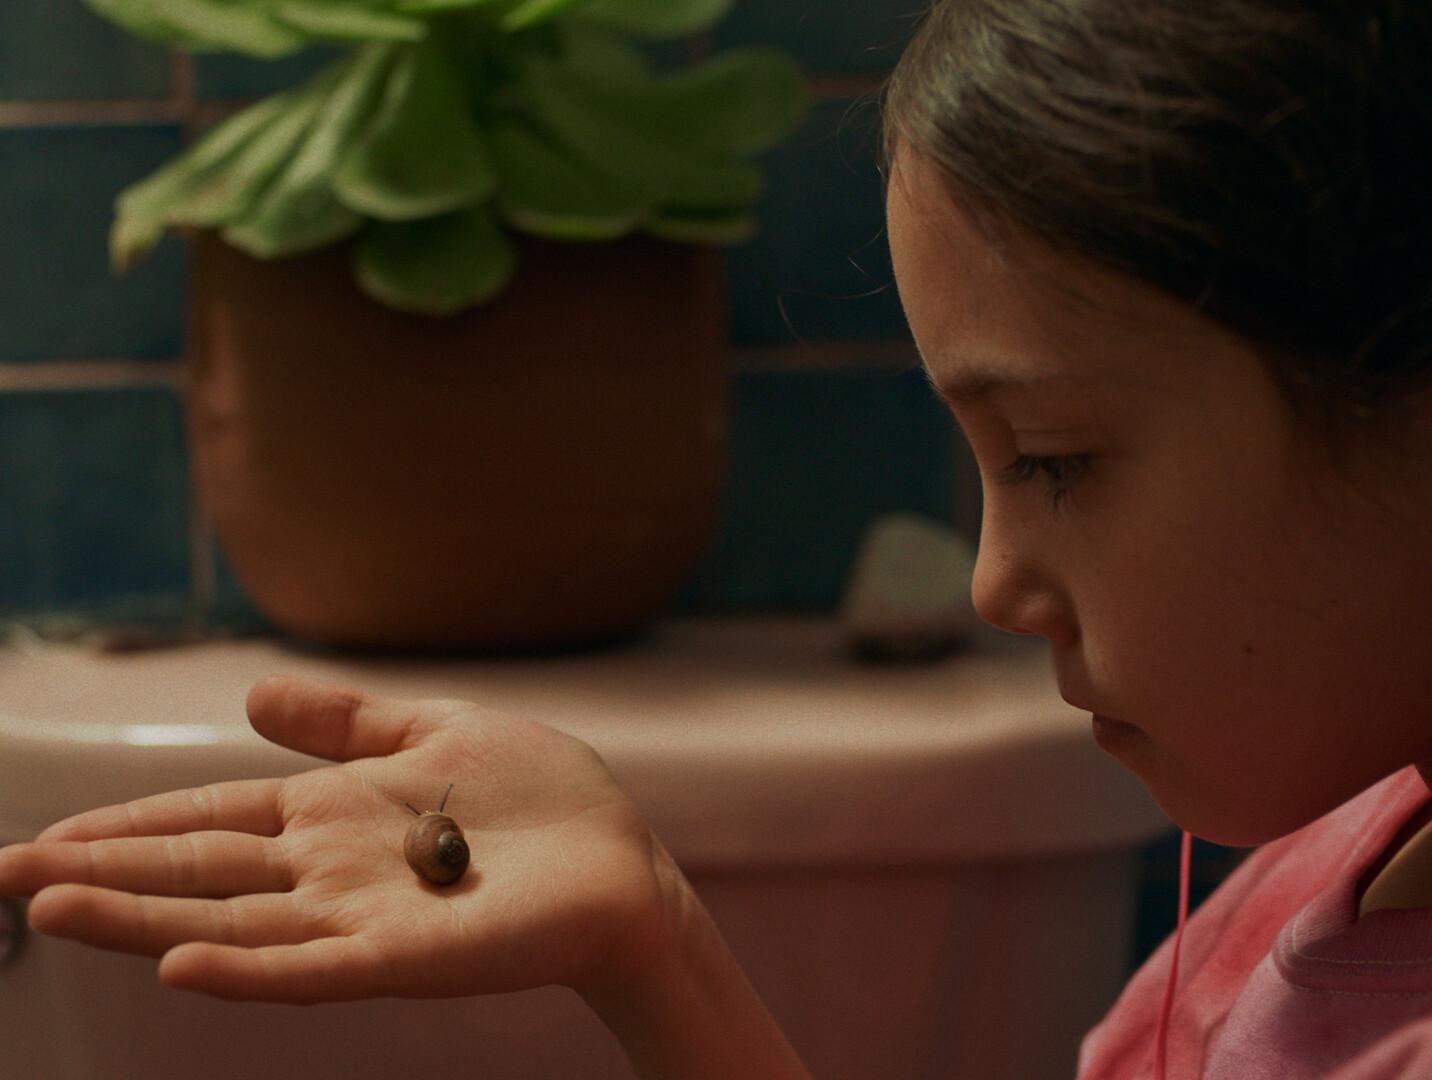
[[435, 846]]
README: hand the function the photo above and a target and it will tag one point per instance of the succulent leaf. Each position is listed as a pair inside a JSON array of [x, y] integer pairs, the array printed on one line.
[[548, 194], [600, 51], [141, 17], [532, 12], [218, 178], [298, 211], [605, 142], [144, 209], [421, 155], [234, 25], [652, 134], [425, 7], [715, 186], [338, 20], [742, 101], [257, 161], [436, 266], [703, 229]]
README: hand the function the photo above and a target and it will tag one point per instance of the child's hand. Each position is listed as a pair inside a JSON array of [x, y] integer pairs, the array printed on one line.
[[297, 890]]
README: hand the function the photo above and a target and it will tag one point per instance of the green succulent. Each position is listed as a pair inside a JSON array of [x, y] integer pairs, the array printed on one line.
[[448, 124]]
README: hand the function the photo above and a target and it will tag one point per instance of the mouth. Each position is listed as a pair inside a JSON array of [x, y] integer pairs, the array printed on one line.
[[1110, 734]]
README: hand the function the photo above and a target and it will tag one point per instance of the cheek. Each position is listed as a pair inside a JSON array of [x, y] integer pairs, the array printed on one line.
[[1175, 621], [1185, 554], [1242, 699]]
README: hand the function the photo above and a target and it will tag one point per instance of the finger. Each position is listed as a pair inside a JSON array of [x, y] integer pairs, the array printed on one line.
[[330, 721], [152, 925], [324, 969], [12, 874], [248, 806], [208, 864]]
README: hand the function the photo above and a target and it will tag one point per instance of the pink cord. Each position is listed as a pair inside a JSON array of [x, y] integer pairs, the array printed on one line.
[[1161, 1046]]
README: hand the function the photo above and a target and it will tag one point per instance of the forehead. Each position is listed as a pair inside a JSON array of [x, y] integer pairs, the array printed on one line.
[[987, 311]]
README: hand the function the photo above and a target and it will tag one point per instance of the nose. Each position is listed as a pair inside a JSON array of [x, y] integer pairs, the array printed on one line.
[[1013, 589]]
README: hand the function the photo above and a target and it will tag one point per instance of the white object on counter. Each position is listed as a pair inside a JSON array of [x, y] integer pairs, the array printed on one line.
[[909, 593]]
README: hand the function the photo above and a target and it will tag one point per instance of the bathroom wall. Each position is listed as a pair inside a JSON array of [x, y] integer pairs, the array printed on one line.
[[832, 425]]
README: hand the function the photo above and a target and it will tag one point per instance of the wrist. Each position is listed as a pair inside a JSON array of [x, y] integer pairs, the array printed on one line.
[[689, 1012]]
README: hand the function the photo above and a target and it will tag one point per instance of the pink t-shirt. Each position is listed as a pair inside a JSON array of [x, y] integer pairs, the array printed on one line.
[[1278, 979]]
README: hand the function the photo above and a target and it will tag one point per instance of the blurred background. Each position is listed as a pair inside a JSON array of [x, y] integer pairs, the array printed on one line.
[[832, 424]]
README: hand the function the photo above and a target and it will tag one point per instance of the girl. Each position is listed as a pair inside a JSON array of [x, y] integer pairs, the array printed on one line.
[[1168, 262]]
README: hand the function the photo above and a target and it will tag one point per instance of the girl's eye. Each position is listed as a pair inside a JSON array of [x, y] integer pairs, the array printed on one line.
[[1061, 472]]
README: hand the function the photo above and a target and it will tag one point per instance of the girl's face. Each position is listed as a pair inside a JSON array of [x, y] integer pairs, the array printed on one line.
[[1255, 627]]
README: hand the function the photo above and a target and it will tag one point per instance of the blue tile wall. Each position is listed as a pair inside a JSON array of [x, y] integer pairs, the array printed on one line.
[[220, 76], [92, 486], [815, 457], [819, 269], [59, 49], [828, 37], [59, 299]]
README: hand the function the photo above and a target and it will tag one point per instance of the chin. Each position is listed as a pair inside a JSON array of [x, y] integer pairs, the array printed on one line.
[[1258, 800], [1242, 817]]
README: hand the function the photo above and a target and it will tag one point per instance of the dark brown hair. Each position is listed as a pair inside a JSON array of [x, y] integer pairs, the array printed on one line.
[[1268, 161]]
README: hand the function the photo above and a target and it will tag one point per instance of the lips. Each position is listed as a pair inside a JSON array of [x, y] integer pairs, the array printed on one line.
[[1080, 702]]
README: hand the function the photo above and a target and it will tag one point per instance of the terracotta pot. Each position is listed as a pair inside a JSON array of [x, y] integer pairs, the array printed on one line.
[[545, 470]]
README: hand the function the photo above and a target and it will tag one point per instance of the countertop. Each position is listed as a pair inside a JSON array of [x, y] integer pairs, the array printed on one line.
[[747, 741]]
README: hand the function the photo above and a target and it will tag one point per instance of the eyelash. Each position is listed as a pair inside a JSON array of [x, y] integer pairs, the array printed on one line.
[[1062, 473]]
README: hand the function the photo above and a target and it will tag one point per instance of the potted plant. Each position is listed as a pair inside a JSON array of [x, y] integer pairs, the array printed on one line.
[[457, 366]]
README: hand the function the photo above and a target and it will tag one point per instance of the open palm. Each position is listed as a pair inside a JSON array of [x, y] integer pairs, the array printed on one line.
[[296, 889]]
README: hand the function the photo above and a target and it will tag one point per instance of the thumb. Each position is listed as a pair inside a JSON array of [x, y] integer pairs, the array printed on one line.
[[330, 721]]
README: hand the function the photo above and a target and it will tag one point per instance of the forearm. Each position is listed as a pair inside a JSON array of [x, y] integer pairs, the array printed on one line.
[[695, 1014]]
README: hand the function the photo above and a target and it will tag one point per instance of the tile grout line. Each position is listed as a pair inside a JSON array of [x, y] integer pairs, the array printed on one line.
[[22, 114], [96, 374], [101, 373], [182, 105], [202, 540]]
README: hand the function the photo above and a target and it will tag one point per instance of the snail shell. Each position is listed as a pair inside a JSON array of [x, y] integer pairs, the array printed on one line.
[[436, 848]]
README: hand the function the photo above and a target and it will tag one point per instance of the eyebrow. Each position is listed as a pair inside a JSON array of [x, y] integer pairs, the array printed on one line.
[[979, 385]]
